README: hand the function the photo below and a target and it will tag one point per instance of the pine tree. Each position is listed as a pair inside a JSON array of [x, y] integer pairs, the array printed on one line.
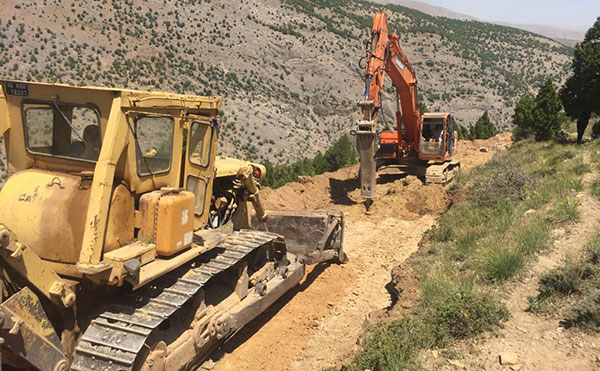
[[523, 117], [340, 155], [463, 133], [548, 117], [484, 128], [580, 93]]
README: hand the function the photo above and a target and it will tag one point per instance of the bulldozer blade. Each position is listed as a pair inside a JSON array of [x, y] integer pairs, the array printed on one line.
[[313, 236], [28, 333]]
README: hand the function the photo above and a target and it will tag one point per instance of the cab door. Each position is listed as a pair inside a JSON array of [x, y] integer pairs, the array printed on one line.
[[198, 173], [450, 140]]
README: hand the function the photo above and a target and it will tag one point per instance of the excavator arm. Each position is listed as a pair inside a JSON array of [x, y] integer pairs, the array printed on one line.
[[385, 57]]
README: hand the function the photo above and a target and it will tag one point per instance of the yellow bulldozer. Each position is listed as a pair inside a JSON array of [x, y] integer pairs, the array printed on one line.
[[125, 242]]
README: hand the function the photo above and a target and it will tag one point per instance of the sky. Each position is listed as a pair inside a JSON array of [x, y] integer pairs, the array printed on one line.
[[572, 14]]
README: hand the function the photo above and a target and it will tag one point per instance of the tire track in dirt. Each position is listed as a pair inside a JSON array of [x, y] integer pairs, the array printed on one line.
[[317, 324]]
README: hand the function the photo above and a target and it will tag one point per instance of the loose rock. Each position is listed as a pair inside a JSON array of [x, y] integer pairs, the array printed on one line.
[[508, 359], [456, 363]]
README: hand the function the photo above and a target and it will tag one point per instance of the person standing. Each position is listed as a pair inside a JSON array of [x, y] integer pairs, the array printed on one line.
[[582, 122]]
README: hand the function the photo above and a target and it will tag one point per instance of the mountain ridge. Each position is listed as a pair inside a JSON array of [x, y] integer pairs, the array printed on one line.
[[287, 69], [568, 37]]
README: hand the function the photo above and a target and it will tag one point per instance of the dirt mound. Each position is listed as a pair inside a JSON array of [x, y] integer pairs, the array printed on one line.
[[316, 192], [405, 198]]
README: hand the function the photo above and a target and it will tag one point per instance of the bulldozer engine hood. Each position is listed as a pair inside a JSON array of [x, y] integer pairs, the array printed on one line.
[[228, 167]]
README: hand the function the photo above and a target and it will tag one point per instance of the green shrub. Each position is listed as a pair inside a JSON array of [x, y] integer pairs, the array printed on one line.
[[465, 245], [593, 251], [455, 311], [595, 187], [533, 236], [449, 311], [502, 262], [504, 180], [586, 312], [563, 280], [392, 347], [580, 168]]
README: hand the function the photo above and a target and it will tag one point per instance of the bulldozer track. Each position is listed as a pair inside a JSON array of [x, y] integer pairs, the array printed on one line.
[[115, 338]]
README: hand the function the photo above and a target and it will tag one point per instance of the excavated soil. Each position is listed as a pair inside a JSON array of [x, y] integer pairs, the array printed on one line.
[[317, 324]]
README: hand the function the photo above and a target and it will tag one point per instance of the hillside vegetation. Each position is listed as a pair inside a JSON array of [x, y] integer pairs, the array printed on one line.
[[504, 217], [287, 68]]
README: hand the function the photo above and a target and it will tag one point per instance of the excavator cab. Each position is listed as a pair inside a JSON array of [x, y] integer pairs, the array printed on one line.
[[438, 138]]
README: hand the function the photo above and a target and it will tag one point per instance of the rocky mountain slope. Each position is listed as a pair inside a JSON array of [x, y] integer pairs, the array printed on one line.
[[288, 69], [562, 35]]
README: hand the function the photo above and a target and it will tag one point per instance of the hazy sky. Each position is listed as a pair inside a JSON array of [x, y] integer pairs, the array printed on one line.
[[573, 14]]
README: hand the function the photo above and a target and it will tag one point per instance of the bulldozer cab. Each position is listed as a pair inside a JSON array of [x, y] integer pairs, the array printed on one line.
[[91, 153]]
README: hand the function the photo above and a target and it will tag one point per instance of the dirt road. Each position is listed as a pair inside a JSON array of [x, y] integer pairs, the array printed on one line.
[[317, 324]]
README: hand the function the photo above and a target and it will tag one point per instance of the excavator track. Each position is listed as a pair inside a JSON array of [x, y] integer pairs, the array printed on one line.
[[444, 174], [116, 337]]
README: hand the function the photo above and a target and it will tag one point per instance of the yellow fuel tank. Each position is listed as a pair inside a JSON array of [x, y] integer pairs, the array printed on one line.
[[168, 219], [46, 210]]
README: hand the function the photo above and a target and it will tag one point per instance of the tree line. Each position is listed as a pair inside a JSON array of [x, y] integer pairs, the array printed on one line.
[[340, 155], [542, 117]]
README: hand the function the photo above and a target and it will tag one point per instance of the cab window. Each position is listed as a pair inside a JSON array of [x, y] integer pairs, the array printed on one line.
[[154, 136], [62, 130], [200, 143], [198, 187]]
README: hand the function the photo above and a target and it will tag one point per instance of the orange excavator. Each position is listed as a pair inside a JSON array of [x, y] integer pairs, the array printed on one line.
[[421, 144]]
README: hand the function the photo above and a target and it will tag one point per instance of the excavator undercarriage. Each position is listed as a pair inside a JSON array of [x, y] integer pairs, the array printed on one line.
[[444, 173]]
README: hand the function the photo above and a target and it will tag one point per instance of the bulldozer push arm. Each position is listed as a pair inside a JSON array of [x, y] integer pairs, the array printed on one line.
[[125, 243]]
